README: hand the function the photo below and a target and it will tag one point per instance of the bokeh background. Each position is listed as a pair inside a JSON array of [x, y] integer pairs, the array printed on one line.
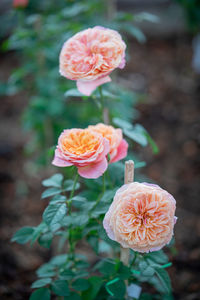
[[163, 70]]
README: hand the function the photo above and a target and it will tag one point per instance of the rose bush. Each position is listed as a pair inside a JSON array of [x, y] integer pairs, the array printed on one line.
[[141, 216]]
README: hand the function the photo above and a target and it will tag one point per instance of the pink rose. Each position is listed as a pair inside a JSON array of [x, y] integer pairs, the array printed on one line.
[[20, 3], [118, 145], [90, 56], [83, 148], [141, 217]]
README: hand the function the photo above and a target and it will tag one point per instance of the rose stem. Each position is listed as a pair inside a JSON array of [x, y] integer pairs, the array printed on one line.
[[105, 111], [128, 178]]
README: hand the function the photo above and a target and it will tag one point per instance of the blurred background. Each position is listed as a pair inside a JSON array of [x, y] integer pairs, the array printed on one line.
[[163, 73]]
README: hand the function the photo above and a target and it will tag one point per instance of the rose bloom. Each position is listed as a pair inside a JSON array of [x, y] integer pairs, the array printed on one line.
[[90, 56], [118, 145], [83, 148], [20, 3], [141, 217]]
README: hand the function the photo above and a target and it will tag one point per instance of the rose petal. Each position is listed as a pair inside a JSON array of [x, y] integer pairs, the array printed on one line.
[[108, 229], [94, 170], [121, 151], [105, 150], [59, 162], [123, 62], [87, 87]]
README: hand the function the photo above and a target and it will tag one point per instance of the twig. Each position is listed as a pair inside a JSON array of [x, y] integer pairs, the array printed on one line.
[[128, 178]]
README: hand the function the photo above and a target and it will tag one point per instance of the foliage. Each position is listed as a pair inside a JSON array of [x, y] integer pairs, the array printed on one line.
[[75, 210], [71, 275], [41, 30], [192, 13]]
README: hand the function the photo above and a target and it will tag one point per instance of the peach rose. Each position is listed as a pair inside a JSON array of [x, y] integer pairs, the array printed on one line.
[[118, 146], [20, 3], [141, 217], [83, 148], [90, 56]]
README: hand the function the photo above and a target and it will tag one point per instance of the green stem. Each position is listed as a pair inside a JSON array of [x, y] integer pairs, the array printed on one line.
[[69, 202], [134, 259], [102, 193], [104, 109], [72, 193], [101, 96], [104, 183]]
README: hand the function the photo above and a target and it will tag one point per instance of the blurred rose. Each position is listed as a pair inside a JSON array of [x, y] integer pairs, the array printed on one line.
[[83, 148], [118, 146], [141, 217], [90, 56], [20, 3]]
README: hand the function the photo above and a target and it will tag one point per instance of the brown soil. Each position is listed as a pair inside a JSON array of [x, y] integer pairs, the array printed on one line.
[[162, 68]]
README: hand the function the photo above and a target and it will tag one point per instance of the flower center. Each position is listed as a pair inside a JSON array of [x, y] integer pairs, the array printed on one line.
[[80, 142]]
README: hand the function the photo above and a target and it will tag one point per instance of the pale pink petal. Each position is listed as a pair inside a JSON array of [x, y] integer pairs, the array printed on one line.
[[87, 87], [94, 170], [121, 151], [108, 229], [123, 62], [59, 161]]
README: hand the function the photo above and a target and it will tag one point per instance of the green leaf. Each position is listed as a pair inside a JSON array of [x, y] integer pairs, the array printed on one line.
[[146, 296], [94, 243], [37, 232], [76, 220], [137, 33], [75, 10], [122, 123], [100, 209], [69, 184], [54, 181], [106, 267], [54, 213], [158, 257], [108, 196], [46, 270], [144, 16], [140, 164], [143, 265], [73, 296], [51, 192], [60, 288], [116, 288], [137, 134], [66, 274], [45, 240], [95, 285], [58, 199], [23, 235], [80, 284], [59, 259], [73, 93], [124, 272], [40, 283], [41, 294], [164, 279], [151, 142], [149, 271]]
